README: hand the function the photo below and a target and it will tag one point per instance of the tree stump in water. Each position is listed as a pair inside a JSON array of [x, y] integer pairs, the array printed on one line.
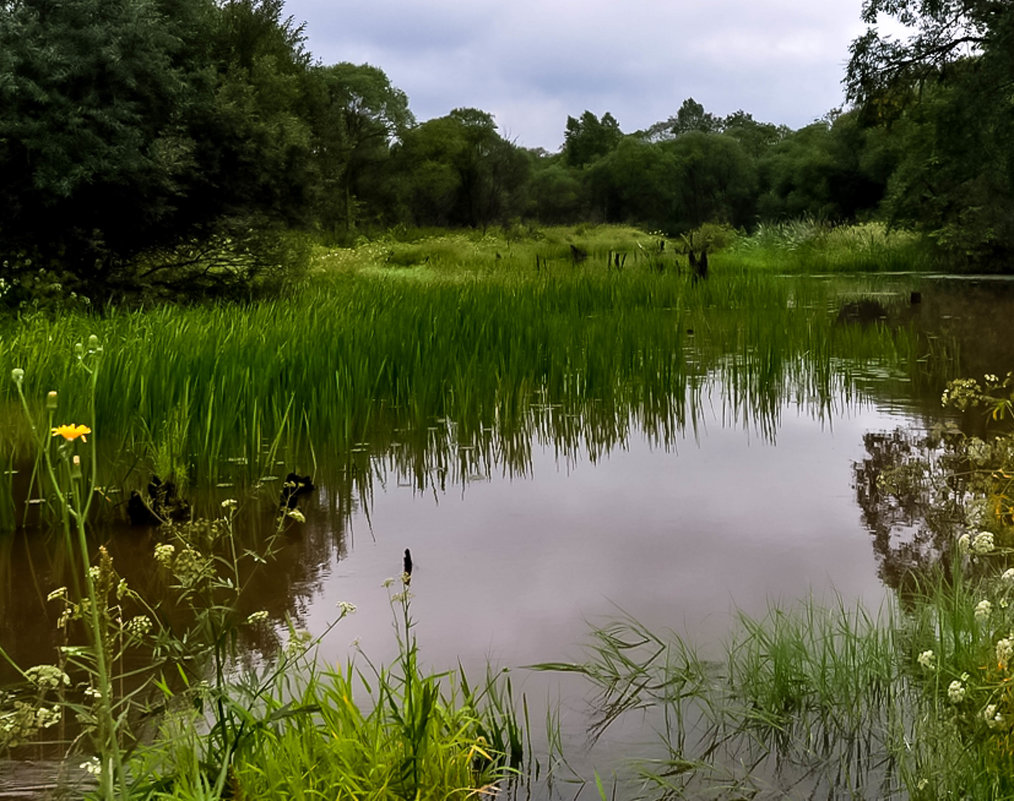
[[699, 264]]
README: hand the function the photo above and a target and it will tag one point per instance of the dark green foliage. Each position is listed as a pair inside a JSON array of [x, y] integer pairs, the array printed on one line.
[[134, 127], [589, 138], [635, 182], [690, 117], [358, 113], [457, 170], [755, 137], [88, 131], [677, 184], [557, 194], [831, 171], [947, 92], [715, 180]]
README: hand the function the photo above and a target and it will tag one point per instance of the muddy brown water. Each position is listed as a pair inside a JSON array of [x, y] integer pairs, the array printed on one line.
[[512, 568]]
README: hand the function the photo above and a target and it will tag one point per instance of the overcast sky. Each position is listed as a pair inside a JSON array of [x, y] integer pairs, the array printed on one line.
[[531, 63]]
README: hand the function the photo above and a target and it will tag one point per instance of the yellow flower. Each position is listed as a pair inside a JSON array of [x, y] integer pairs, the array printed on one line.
[[70, 432]]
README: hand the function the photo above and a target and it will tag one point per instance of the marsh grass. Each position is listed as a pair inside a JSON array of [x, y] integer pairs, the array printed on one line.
[[807, 700], [367, 732], [813, 246], [459, 361], [224, 728], [816, 700]]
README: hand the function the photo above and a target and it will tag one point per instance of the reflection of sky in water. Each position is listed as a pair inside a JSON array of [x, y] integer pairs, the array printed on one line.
[[513, 570]]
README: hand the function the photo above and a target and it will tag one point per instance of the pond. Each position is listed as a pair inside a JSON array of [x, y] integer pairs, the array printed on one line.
[[679, 527]]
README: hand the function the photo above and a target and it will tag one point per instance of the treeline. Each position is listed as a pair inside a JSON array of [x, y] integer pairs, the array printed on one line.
[[175, 145]]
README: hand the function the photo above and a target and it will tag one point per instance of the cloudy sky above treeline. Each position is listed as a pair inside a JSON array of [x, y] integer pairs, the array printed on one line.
[[531, 63]]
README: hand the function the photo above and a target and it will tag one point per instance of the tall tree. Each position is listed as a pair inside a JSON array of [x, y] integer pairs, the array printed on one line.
[[949, 89], [134, 126], [945, 32], [90, 129], [359, 115], [589, 138], [458, 170], [715, 180], [691, 116]]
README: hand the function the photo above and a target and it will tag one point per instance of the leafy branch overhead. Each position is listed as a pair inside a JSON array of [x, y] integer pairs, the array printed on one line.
[[942, 32]]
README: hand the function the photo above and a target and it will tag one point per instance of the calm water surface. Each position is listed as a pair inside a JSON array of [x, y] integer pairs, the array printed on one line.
[[514, 569]]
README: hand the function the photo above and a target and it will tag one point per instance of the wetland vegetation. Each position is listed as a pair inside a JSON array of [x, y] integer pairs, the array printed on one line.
[[434, 361], [254, 308]]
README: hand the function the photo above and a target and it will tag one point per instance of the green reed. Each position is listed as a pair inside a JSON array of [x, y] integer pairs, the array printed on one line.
[[816, 700], [371, 732], [816, 246], [368, 352]]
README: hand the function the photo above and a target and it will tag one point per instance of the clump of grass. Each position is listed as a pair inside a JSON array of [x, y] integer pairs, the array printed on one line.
[[804, 698], [916, 701], [287, 729], [363, 732], [814, 246]]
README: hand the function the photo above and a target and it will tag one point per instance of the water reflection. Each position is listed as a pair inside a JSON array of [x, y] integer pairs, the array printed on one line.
[[911, 504], [762, 479]]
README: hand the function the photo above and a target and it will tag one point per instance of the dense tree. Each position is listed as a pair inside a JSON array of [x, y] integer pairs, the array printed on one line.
[[90, 128], [755, 137], [691, 116], [556, 193], [359, 113], [830, 171], [458, 170], [947, 90], [589, 138], [946, 31], [132, 126], [715, 180], [635, 183]]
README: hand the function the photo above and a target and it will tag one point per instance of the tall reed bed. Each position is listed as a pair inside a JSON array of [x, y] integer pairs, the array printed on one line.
[[362, 358], [814, 246]]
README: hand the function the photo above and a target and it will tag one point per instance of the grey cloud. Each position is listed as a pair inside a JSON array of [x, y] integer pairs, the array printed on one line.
[[532, 63]]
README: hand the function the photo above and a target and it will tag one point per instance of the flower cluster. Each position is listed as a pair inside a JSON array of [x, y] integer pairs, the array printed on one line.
[[1004, 651], [962, 393], [164, 554], [928, 660], [346, 608], [47, 677], [138, 626], [993, 718], [983, 543]]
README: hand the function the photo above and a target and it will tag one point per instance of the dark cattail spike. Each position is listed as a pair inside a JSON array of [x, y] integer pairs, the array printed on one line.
[[408, 563]]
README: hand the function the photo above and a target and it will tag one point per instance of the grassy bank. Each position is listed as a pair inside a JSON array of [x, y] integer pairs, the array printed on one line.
[[809, 246]]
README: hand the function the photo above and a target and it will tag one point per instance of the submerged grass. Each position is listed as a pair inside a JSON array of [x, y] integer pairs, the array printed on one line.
[[817, 701], [807, 701]]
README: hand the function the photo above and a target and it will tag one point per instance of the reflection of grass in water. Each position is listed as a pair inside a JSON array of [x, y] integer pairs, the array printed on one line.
[[367, 356]]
